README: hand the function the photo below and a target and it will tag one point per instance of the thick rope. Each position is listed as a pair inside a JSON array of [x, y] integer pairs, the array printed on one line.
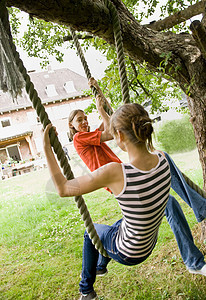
[[86, 67], [120, 54], [56, 146], [120, 50], [11, 79]]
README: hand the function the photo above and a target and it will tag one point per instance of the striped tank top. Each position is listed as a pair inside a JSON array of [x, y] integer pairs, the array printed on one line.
[[142, 201]]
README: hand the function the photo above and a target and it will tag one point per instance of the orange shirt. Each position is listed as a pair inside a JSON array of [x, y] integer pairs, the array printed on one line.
[[93, 153]]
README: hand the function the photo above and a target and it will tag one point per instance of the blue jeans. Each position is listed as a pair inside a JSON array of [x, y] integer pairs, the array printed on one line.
[[190, 196], [91, 256], [191, 255]]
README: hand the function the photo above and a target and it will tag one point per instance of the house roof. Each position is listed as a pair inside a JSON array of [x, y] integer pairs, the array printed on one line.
[[13, 132], [51, 85]]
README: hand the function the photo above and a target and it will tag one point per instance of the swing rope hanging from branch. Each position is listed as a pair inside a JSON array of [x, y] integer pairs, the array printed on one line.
[[120, 54], [44, 116]]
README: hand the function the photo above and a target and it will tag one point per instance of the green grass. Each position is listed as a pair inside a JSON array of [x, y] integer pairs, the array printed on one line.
[[41, 237]]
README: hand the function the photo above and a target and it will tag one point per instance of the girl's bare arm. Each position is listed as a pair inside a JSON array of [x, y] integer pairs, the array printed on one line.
[[104, 176]]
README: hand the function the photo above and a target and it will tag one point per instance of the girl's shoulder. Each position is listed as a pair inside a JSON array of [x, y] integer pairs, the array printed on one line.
[[160, 153], [114, 177], [112, 167], [112, 171]]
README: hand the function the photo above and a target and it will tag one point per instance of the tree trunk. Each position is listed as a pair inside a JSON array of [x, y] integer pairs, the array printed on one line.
[[184, 61], [198, 120]]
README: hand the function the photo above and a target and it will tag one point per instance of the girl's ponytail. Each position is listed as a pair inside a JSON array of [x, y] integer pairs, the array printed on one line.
[[143, 129], [133, 120]]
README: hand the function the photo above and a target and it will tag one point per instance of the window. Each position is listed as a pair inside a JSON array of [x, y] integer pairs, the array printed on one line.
[[69, 87], [5, 122], [51, 90], [14, 153]]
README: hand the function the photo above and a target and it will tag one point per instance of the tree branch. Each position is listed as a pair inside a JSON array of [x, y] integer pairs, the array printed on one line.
[[199, 34], [179, 17], [79, 36], [135, 78], [204, 18]]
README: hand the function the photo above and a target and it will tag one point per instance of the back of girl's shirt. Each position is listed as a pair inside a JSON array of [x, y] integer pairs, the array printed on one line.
[[142, 201]]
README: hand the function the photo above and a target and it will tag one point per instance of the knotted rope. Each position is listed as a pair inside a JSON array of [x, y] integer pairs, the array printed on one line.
[[120, 50]]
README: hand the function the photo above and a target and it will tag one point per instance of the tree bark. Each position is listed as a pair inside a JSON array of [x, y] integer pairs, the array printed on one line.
[[199, 34], [185, 63]]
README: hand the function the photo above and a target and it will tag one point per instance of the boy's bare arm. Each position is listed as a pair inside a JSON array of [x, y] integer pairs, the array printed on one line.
[[100, 102]]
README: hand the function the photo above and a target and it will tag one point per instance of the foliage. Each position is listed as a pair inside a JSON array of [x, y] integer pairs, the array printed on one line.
[[146, 87], [44, 38], [15, 22], [176, 136]]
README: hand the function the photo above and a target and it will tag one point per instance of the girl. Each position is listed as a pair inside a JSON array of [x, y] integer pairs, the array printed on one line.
[[141, 188]]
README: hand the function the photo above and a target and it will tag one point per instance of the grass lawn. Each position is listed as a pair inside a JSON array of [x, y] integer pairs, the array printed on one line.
[[41, 237]]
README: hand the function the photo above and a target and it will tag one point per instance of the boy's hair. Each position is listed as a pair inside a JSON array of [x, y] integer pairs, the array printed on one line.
[[72, 114], [134, 121]]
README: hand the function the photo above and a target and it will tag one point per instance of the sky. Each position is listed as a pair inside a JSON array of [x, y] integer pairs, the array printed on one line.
[[96, 62]]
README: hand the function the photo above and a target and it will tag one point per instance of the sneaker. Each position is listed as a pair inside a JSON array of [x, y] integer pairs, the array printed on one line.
[[101, 272], [201, 271], [89, 296]]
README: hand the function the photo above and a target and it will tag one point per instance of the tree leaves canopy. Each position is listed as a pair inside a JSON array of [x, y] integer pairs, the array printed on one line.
[[147, 86]]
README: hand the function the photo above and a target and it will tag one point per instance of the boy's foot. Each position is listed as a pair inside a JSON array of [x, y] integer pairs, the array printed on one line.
[[201, 271], [101, 272], [89, 296]]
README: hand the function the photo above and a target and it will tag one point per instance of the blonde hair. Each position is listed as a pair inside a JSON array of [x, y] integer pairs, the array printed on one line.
[[133, 120], [72, 114]]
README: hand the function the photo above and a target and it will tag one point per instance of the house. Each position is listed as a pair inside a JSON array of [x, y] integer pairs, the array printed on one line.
[[20, 129]]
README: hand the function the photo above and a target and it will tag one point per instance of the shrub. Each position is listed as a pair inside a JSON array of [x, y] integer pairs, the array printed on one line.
[[176, 136]]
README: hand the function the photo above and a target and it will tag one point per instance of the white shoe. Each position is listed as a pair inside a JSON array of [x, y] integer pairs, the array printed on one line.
[[201, 271]]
